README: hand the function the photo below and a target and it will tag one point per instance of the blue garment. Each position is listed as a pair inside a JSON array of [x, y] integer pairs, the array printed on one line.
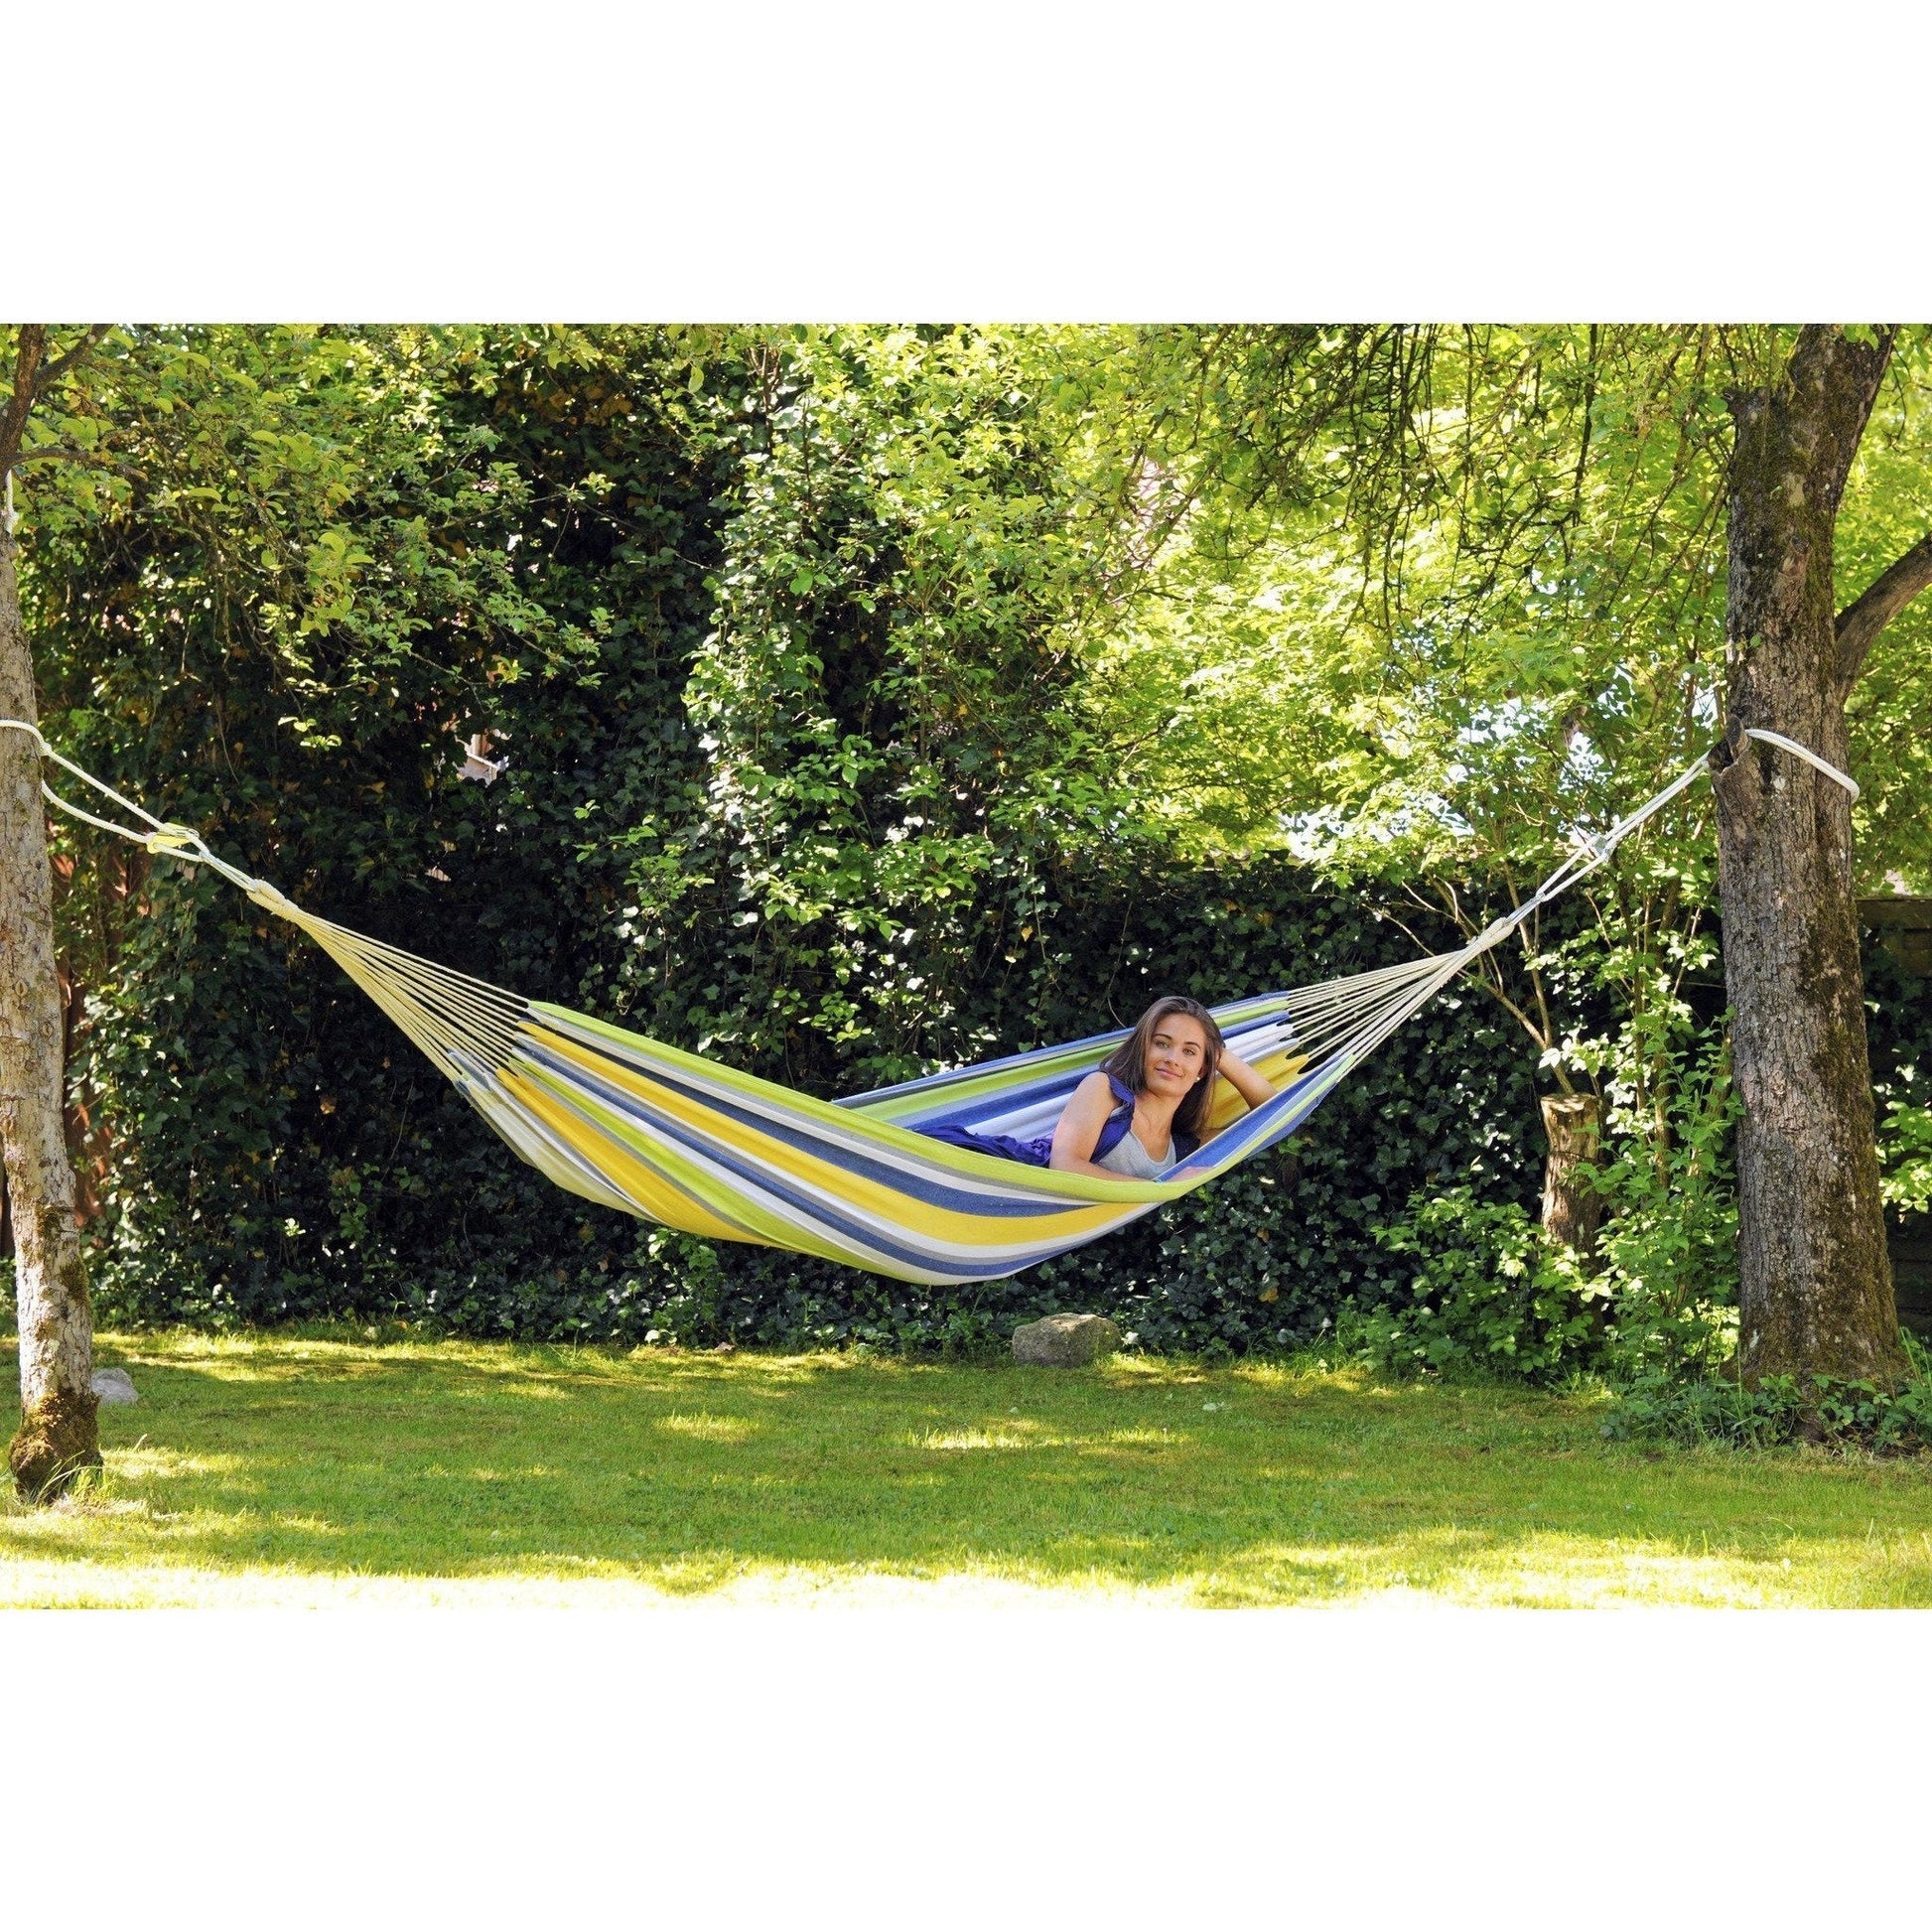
[[1039, 1153]]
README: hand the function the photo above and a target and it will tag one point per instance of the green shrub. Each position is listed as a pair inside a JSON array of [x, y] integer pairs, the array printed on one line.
[[1905, 1146], [1482, 1289], [1658, 1300], [1666, 1406], [1668, 1249]]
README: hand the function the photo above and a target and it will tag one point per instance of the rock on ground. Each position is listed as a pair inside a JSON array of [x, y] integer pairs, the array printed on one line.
[[1065, 1341], [114, 1387]]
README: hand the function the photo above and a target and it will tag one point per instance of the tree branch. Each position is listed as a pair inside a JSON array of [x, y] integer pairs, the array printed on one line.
[[13, 419], [53, 371], [1860, 623], [72, 452]]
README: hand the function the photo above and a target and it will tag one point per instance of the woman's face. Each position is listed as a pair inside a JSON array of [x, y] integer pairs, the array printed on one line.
[[1176, 1055]]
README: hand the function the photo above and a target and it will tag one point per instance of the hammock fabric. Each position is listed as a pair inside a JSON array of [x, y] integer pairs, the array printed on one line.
[[670, 1137]]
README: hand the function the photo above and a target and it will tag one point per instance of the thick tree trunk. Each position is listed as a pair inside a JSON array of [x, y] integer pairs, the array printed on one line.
[[1572, 1209], [1816, 1293], [57, 1434]]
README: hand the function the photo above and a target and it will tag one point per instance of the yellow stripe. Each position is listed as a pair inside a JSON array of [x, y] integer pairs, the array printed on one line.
[[1277, 1068], [649, 1189], [838, 1120], [890, 1205], [756, 1224]]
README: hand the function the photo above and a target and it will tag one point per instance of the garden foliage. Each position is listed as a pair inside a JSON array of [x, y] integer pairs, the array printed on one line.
[[1655, 1308], [790, 640], [796, 789], [1778, 1410]]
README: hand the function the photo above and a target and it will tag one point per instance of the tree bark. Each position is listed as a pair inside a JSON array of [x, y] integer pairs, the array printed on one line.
[[1816, 1293], [1572, 1209], [58, 1434]]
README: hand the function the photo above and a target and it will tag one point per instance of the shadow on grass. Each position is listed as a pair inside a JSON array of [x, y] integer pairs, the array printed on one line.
[[695, 1473]]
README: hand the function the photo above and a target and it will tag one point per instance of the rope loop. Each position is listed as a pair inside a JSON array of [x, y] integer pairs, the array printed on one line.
[[173, 838], [1810, 757], [163, 837]]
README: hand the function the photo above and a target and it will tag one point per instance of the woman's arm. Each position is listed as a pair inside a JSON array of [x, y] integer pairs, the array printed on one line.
[[1078, 1132], [1253, 1087]]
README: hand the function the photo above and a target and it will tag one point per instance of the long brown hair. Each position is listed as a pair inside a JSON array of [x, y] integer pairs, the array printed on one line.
[[1128, 1061]]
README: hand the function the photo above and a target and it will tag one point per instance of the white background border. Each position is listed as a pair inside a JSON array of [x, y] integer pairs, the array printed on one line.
[[1078, 1766], [389, 159]]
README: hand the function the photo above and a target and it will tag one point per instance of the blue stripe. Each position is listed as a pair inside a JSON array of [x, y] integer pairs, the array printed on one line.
[[1271, 1122], [933, 1191], [1274, 1003], [1009, 1099], [814, 1206]]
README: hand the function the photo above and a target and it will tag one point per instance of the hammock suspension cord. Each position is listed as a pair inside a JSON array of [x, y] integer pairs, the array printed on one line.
[[665, 1134]]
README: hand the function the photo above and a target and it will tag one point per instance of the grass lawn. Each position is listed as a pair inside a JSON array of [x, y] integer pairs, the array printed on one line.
[[276, 1470]]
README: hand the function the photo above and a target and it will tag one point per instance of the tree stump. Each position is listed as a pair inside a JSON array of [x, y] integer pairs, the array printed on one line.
[[1572, 1209]]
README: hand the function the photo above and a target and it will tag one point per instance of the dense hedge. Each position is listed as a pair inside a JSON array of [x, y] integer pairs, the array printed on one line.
[[1898, 1017], [365, 1188], [1898, 1014], [855, 563], [281, 1153], [408, 1206]]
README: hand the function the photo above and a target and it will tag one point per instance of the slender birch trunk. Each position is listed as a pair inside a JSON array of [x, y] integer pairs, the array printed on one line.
[[58, 1434]]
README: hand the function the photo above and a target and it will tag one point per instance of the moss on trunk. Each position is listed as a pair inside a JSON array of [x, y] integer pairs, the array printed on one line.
[[53, 1313], [58, 1439]]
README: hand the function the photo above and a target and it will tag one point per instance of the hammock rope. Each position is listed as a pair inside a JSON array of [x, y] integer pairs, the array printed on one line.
[[667, 1136]]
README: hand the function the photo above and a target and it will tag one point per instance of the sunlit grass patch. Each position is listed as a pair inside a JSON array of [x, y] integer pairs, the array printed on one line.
[[985, 1439], [706, 1428], [323, 1469]]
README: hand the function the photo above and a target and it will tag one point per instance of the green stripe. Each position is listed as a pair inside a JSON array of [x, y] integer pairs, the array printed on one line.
[[846, 1123]]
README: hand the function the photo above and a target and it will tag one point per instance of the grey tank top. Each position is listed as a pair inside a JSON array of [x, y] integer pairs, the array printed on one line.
[[1127, 1157]]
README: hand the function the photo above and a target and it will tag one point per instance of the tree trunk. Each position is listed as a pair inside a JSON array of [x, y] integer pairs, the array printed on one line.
[[1572, 1209], [1816, 1291], [58, 1434]]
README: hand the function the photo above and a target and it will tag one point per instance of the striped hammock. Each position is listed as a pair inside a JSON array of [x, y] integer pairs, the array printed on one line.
[[670, 1137]]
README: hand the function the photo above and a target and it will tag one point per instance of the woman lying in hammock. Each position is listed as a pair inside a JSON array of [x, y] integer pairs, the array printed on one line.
[[1145, 1107]]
